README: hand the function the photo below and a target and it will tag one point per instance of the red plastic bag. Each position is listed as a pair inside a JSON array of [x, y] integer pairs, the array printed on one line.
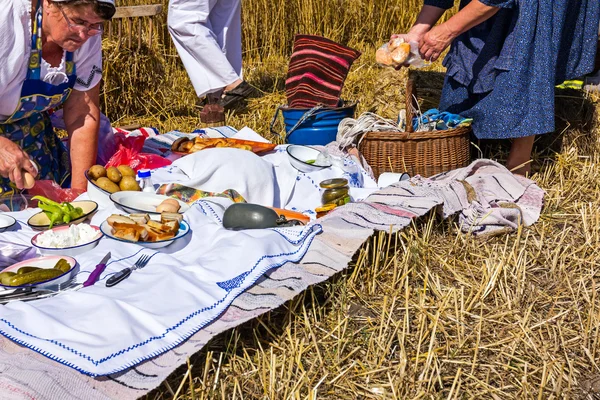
[[128, 153], [52, 190]]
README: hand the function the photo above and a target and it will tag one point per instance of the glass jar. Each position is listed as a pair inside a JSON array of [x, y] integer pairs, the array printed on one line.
[[336, 191]]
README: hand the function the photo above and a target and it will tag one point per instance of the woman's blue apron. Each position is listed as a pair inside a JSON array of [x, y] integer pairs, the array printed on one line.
[[29, 126]]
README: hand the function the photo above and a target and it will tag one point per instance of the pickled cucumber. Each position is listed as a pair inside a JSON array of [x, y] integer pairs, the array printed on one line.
[[63, 265], [5, 277], [39, 275], [26, 270]]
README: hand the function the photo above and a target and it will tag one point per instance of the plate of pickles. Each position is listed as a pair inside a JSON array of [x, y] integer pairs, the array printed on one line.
[[39, 272]]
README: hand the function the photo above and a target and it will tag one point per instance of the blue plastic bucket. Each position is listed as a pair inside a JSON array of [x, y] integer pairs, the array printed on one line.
[[313, 126]]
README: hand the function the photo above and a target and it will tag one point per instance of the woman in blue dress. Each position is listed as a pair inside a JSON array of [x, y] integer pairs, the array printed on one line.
[[505, 58], [50, 56]]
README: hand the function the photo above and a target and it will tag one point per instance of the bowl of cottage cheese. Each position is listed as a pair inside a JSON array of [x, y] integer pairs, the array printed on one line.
[[67, 240]]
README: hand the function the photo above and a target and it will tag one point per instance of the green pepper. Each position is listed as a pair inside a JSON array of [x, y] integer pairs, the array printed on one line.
[[61, 212], [45, 200], [54, 213]]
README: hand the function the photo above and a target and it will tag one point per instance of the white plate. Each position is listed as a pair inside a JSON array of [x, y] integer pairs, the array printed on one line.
[[67, 251], [45, 262], [184, 229], [142, 202], [6, 221]]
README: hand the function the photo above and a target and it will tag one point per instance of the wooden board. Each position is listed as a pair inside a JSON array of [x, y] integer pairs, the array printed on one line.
[[138, 11]]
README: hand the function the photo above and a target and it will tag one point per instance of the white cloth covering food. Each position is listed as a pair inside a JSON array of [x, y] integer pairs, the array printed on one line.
[[15, 47], [208, 38]]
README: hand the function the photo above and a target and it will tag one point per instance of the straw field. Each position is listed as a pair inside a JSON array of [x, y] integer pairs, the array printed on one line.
[[428, 313]]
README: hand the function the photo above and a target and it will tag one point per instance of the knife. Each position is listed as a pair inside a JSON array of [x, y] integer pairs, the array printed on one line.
[[93, 278]]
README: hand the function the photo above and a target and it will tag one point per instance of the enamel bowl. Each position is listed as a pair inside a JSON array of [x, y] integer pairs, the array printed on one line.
[[40, 220], [45, 262], [97, 194], [67, 251], [303, 158], [141, 202], [6, 222], [184, 229]]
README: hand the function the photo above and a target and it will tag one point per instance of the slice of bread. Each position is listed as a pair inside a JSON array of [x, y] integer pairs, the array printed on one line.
[[158, 226], [140, 218], [127, 234], [173, 226], [119, 218], [120, 226], [167, 216], [156, 235]]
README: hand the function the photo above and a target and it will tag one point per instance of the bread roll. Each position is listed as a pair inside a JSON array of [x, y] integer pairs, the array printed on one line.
[[394, 43], [400, 54], [169, 205], [383, 56]]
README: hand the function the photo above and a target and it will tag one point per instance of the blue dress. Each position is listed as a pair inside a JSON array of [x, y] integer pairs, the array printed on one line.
[[502, 73]]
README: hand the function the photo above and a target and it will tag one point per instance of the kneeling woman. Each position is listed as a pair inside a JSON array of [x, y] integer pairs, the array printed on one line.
[[51, 56]]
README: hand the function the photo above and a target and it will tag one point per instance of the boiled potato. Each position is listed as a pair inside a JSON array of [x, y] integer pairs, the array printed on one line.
[[97, 171], [113, 174], [126, 170], [106, 184], [129, 183]]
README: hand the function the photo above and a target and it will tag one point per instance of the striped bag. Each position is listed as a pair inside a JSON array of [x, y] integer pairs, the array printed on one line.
[[317, 71]]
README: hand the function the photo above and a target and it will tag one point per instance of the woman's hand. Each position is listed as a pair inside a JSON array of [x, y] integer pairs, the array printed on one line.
[[409, 37], [413, 36], [14, 161], [435, 42]]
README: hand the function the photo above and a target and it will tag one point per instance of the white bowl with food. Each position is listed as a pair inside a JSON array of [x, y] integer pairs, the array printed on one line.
[[306, 159], [6, 222], [101, 182], [152, 231], [67, 240], [97, 194], [23, 271], [134, 202], [40, 221]]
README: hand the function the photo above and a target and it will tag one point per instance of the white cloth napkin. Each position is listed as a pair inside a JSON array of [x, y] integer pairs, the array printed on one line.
[[99, 330]]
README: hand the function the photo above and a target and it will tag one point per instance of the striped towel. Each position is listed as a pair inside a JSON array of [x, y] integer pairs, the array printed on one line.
[[317, 71]]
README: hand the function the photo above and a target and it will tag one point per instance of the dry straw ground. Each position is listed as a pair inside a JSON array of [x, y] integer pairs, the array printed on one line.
[[427, 313]]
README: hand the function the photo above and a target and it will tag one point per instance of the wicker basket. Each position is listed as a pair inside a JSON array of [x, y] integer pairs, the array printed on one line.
[[418, 153]]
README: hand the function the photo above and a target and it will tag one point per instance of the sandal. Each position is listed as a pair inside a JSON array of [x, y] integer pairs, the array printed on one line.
[[236, 97]]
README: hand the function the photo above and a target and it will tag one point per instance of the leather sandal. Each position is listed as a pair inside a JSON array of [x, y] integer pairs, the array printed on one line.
[[236, 97]]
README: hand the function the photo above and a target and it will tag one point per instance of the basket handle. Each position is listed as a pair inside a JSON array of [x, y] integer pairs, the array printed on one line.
[[411, 102]]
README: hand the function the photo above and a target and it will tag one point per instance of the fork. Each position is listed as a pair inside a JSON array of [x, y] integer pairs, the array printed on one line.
[[124, 273]]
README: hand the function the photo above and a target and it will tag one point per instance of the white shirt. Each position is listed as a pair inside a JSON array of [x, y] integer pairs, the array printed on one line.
[[15, 48]]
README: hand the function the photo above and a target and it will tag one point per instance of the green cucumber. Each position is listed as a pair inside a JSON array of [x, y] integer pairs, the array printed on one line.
[[26, 270], [39, 275], [5, 277]]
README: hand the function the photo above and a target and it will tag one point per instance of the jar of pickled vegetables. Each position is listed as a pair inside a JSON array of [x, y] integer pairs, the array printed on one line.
[[336, 191]]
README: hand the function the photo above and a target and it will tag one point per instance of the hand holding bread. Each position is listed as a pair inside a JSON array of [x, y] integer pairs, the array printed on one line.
[[394, 53], [399, 52]]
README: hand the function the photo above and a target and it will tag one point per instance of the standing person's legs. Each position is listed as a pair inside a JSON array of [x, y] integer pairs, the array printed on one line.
[[225, 19], [190, 26], [519, 158]]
